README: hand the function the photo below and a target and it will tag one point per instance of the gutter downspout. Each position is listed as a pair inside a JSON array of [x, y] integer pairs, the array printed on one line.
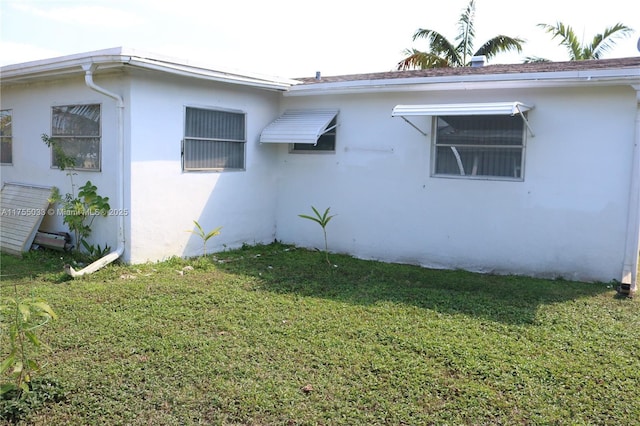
[[114, 255], [632, 246]]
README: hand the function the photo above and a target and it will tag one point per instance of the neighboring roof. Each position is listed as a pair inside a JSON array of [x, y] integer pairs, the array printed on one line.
[[539, 74], [121, 57], [534, 67], [299, 126]]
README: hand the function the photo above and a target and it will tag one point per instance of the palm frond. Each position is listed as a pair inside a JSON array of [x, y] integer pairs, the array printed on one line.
[[568, 36], [416, 59], [603, 43], [535, 59], [466, 32], [438, 44], [499, 44]]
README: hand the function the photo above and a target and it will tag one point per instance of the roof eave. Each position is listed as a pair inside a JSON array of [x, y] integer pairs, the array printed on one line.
[[473, 82], [119, 57]]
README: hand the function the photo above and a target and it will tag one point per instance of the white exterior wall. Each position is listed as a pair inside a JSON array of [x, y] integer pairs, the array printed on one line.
[[31, 108], [567, 218], [164, 200]]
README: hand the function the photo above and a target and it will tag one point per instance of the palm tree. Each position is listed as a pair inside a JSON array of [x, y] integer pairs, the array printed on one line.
[[601, 43], [443, 53]]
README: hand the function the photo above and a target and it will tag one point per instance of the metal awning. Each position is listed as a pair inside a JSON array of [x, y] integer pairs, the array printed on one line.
[[23, 208], [490, 108], [299, 126]]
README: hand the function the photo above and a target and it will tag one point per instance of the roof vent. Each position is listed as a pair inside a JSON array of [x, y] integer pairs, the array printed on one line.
[[318, 77], [478, 61]]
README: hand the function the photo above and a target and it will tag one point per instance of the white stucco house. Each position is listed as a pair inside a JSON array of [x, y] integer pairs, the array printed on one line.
[[528, 169]]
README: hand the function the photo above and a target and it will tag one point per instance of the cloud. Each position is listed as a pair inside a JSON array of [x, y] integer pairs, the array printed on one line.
[[83, 15], [14, 53]]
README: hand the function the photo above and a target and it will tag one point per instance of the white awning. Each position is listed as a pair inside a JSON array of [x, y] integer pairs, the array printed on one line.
[[490, 108], [493, 108], [299, 126]]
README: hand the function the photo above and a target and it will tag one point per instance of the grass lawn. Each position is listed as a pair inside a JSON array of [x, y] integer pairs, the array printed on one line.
[[272, 335]]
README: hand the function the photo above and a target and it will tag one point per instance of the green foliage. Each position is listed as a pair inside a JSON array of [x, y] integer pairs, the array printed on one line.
[[21, 318], [580, 51], [205, 236], [237, 341], [95, 251], [79, 210], [322, 220], [445, 53], [41, 391], [60, 158]]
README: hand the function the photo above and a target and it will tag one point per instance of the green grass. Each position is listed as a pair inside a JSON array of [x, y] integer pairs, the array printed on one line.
[[237, 339]]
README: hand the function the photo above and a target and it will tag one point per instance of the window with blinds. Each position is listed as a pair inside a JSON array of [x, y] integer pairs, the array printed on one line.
[[479, 146], [213, 140]]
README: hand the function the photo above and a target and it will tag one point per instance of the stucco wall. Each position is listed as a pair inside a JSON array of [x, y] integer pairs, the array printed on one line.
[[31, 117], [165, 200], [567, 218]]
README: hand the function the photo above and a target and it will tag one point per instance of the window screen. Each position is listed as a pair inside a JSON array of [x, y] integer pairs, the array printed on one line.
[[479, 146], [213, 140], [77, 130]]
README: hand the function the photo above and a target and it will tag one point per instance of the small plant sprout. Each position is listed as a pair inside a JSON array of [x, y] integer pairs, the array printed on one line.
[[23, 317], [205, 236], [322, 220]]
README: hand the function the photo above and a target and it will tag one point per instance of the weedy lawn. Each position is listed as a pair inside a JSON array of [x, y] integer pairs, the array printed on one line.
[[273, 335]]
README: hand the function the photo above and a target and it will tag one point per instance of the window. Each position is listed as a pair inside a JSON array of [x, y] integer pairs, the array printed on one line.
[[213, 140], [326, 142], [77, 130], [482, 146], [6, 137]]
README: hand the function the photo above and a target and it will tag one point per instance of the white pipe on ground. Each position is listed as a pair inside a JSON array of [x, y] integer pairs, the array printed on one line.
[[114, 255]]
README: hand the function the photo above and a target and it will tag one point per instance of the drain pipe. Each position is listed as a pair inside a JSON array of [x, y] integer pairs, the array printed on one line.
[[114, 255], [630, 267]]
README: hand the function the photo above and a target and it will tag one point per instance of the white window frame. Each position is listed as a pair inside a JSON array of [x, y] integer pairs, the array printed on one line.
[[8, 139], [186, 140], [471, 173], [60, 138]]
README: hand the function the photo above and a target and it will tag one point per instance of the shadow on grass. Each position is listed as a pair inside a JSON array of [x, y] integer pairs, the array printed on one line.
[[35, 264], [509, 299]]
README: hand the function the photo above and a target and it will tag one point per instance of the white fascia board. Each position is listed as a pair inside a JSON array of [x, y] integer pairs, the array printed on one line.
[[211, 75], [484, 81], [118, 57]]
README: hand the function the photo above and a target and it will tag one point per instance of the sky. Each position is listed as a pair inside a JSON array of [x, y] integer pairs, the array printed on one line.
[[289, 38]]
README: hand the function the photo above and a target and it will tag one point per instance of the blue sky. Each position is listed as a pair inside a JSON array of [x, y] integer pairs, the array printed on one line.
[[291, 38]]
